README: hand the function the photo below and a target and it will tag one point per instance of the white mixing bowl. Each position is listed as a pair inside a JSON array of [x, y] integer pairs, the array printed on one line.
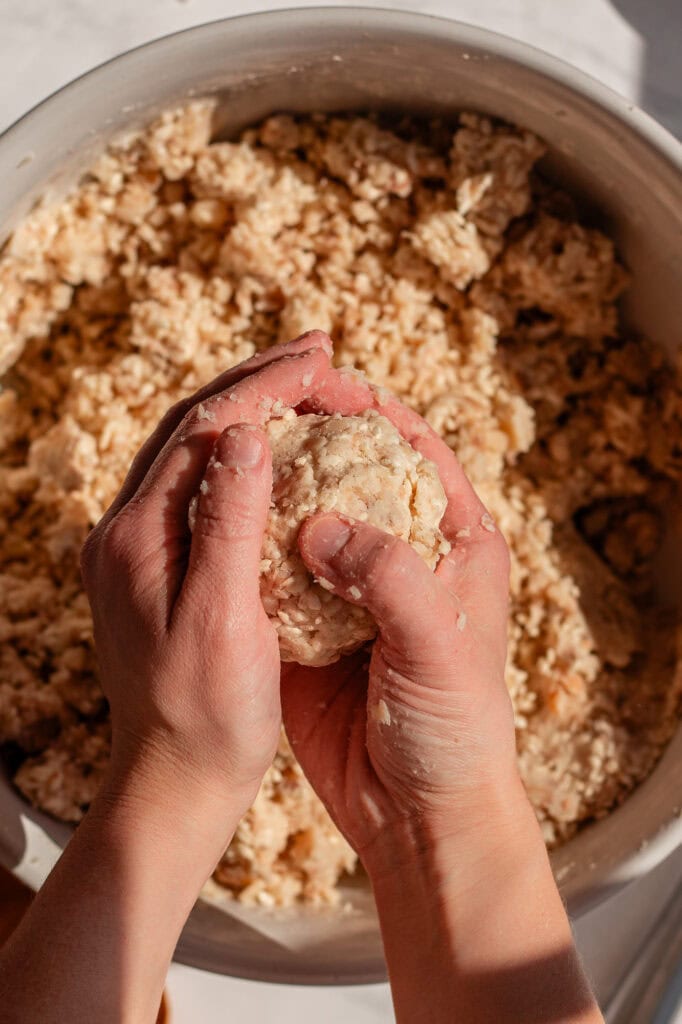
[[323, 59]]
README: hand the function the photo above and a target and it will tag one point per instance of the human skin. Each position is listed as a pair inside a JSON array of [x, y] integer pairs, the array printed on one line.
[[190, 665], [411, 747], [414, 757]]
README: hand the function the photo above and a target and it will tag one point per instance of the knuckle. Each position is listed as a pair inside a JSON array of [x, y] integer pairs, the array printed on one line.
[[211, 523], [240, 525], [198, 416], [130, 562], [121, 541], [386, 561], [227, 519]]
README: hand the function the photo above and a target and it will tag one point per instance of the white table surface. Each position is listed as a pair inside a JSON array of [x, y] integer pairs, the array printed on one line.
[[632, 46]]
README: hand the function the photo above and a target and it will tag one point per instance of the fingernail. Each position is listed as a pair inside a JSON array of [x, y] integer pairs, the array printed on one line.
[[243, 449], [325, 340], [326, 537]]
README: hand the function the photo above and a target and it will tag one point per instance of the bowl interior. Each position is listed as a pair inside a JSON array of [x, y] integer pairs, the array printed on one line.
[[333, 59]]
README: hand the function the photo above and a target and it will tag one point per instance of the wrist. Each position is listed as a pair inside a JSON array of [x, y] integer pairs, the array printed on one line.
[[479, 835], [149, 772], [488, 933], [144, 806]]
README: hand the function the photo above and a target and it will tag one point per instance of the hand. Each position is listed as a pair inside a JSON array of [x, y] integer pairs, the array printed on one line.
[[188, 659], [411, 747], [420, 729], [190, 664]]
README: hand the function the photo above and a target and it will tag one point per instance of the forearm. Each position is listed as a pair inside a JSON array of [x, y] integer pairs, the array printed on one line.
[[101, 933], [474, 928]]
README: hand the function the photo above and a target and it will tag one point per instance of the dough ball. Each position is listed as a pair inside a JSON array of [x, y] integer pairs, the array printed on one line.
[[359, 466]]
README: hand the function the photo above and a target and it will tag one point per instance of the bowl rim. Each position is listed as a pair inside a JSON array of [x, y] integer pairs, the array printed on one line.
[[413, 22], [448, 30]]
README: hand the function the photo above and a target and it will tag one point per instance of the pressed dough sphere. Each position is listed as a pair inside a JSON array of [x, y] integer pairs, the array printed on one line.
[[361, 467]]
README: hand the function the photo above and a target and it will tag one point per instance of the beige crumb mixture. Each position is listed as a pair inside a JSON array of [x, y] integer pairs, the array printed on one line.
[[358, 466], [447, 270]]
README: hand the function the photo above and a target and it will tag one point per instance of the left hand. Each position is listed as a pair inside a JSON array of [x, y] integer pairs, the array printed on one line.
[[188, 658], [190, 664]]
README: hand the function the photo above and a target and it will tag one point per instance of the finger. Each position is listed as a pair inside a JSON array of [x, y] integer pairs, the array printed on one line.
[[231, 512], [350, 394], [476, 572], [413, 610], [157, 512], [177, 472], [150, 449]]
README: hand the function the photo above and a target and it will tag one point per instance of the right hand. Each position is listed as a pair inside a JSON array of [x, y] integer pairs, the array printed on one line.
[[420, 733]]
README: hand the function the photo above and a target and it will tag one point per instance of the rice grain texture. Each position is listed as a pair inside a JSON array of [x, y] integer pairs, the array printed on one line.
[[358, 466], [448, 270]]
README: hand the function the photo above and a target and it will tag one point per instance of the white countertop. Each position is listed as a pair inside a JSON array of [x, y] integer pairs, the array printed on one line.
[[631, 45]]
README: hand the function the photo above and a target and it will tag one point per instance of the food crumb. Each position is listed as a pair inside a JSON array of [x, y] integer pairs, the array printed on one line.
[[380, 713], [487, 523], [205, 414], [358, 466]]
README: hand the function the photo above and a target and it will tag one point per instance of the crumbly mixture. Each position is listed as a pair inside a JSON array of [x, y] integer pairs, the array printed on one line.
[[358, 466], [448, 270], [286, 848]]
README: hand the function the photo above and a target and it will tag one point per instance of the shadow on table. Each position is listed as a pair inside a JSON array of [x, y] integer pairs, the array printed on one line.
[[659, 24]]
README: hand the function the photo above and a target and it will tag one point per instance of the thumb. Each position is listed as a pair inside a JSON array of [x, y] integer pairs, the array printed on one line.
[[412, 607], [229, 516]]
